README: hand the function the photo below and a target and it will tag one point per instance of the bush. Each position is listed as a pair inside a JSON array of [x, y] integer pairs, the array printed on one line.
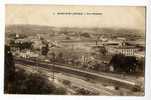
[[116, 88], [136, 88], [31, 84], [60, 91], [66, 82], [82, 91]]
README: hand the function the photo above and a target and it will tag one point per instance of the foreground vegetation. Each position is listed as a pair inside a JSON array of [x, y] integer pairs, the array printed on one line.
[[34, 84], [20, 82]]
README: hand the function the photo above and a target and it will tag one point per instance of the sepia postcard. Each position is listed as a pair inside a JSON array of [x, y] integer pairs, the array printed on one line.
[[75, 50]]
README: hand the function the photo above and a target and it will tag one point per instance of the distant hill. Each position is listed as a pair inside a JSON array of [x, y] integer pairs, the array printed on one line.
[[37, 29], [28, 29]]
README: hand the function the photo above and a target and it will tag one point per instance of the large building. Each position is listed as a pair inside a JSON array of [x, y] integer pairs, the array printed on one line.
[[126, 50], [122, 48]]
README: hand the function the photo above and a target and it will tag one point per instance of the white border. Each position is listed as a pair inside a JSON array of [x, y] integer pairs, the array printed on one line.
[[78, 2], [81, 2]]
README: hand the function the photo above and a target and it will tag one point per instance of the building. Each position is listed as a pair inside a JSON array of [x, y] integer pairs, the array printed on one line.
[[122, 48], [126, 50], [27, 54]]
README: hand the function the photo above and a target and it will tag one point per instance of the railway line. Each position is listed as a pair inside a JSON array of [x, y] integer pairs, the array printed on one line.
[[76, 82], [60, 68]]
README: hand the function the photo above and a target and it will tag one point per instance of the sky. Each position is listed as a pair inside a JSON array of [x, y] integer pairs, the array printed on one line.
[[112, 16]]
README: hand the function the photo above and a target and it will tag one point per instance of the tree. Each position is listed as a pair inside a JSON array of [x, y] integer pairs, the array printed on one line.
[[141, 64], [85, 34], [60, 58], [102, 50], [99, 52], [9, 70], [45, 49], [130, 63], [53, 57], [45, 46], [35, 83], [21, 45], [122, 63], [97, 39]]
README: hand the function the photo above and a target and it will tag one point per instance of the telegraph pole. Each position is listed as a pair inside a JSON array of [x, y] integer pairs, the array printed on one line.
[[53, 63]]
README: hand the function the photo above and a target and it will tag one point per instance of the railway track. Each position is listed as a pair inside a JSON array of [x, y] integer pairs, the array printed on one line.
[[76, 82], [60, 68]]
